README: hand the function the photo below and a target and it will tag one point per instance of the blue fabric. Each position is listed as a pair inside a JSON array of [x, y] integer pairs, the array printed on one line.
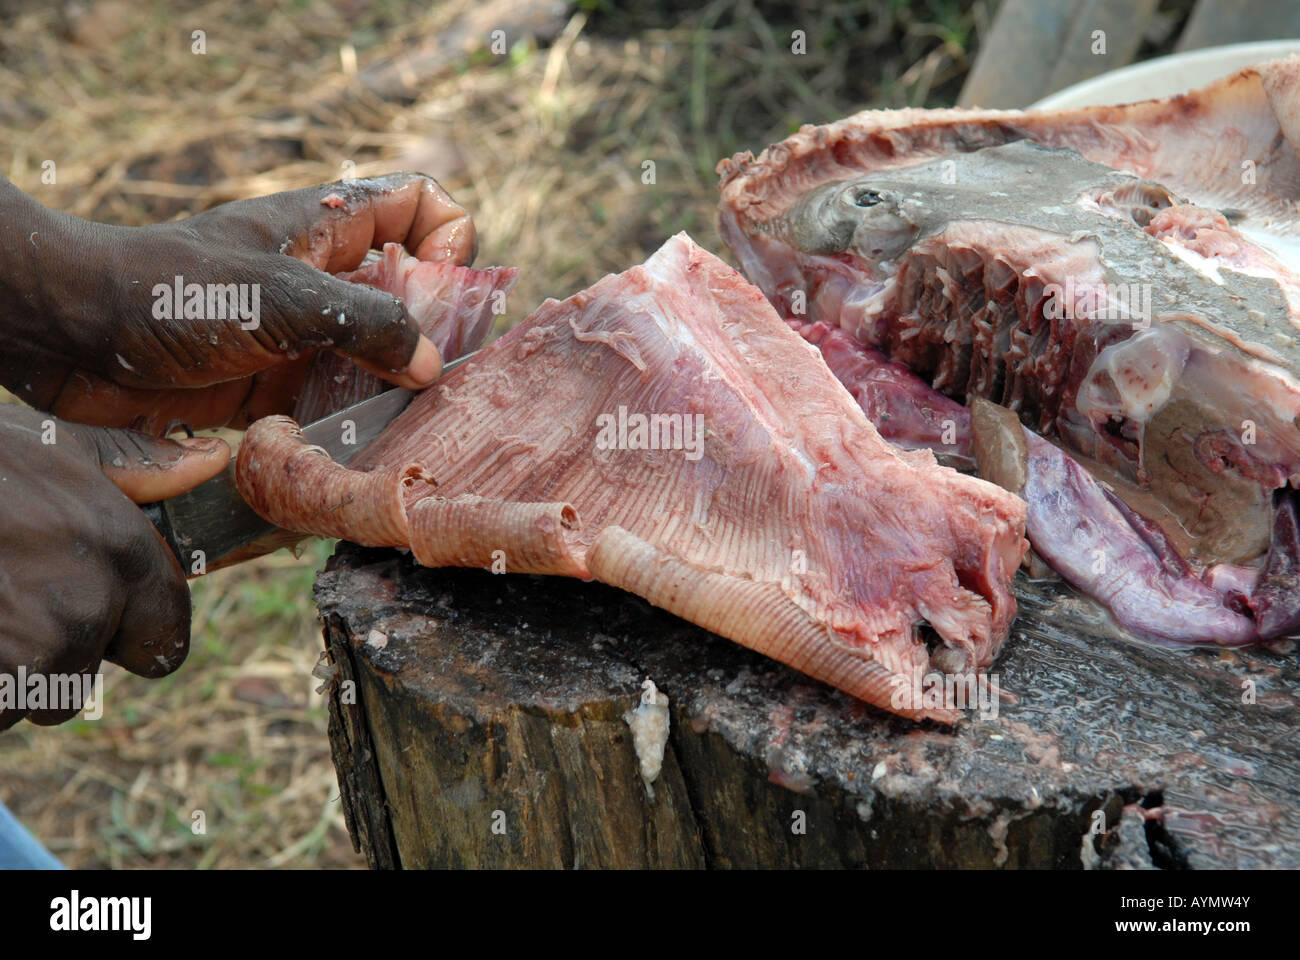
[[19, 850]]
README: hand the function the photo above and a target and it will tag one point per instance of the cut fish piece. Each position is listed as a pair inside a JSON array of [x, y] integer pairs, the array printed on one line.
[[665, 432], [1125, 279], [1229, 146], [905, 409], [1088, 534], [453, 305]]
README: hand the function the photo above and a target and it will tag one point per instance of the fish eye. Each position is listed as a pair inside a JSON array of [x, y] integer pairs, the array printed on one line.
[[866, 198]]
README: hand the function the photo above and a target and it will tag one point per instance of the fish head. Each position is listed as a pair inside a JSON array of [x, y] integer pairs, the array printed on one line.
[[862, 216], [1145, 335]]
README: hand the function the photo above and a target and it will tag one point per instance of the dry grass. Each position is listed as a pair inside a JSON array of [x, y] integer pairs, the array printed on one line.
[[546, 144]]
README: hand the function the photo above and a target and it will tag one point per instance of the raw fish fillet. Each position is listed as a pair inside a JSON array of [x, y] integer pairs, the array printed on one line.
[[761, 503]]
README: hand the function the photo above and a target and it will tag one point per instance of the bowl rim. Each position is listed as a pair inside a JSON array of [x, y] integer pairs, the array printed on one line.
[[1104, 88]]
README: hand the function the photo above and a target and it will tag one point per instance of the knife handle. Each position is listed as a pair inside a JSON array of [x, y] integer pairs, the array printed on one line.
[[157, 514], [210, 526]]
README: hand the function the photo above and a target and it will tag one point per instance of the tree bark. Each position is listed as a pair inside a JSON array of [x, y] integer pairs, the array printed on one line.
[[479, 721]]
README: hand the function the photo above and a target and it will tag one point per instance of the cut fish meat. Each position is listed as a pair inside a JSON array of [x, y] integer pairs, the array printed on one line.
[[665, 432], [453, 305], [1124, 279], [1088, 534]]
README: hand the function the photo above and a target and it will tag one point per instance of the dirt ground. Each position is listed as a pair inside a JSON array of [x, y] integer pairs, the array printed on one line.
[[546, 142]]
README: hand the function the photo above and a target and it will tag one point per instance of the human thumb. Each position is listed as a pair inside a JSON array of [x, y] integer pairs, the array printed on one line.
[[366, 324], [148, 468]]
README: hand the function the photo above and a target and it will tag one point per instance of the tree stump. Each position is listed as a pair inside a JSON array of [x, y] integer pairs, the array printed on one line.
[[480, 720]]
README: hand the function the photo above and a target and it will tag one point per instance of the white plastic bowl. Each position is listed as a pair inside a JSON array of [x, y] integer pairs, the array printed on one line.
[[1166, 76]]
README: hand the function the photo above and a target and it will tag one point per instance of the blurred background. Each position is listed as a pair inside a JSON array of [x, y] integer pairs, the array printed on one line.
[[544, 140]]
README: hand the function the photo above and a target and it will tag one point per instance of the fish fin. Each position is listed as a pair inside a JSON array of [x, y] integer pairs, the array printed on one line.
[[754, 614]]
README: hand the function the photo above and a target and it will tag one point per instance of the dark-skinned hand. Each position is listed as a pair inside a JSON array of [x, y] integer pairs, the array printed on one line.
[[78, 331], [84, 576]]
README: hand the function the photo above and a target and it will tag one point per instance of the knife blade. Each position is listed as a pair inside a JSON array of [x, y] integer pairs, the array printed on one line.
[[212, 522]]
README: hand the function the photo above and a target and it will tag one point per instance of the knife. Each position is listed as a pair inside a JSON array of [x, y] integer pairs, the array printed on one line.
[[212, 522]]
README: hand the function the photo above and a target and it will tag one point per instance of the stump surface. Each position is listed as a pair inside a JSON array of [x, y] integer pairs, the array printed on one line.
[[484, 726]]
